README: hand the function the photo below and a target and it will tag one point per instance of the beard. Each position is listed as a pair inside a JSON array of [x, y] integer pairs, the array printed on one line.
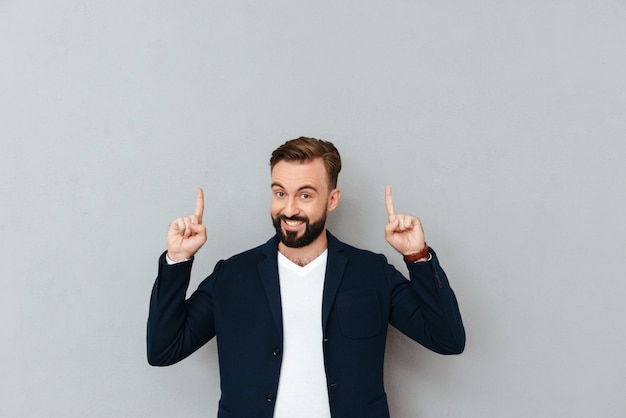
[[291, 238]]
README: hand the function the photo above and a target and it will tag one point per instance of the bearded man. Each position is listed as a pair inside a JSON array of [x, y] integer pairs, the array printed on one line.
[[301, 321]]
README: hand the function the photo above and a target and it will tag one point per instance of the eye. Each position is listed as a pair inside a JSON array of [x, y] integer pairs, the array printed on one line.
[[279, 194], [305, 196]]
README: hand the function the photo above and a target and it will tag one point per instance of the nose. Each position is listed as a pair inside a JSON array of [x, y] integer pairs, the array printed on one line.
[[291, 208]]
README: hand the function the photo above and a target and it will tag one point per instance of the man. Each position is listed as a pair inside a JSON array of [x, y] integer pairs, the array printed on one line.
[[301, 321]]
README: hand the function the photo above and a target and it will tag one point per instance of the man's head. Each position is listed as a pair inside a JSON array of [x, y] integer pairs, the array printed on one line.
[[305, 149], [304, 189]]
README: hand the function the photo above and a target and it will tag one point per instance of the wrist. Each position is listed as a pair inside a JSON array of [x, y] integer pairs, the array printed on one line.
[[176, 257], [419, 256]]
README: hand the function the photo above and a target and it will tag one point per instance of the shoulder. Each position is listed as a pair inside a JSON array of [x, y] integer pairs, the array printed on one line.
[[252, 256], [353, 253]]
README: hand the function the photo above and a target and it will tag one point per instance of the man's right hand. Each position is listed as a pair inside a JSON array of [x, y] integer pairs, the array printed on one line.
[[186, 235]]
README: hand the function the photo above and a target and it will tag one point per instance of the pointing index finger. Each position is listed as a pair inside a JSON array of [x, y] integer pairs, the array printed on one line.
[[199, 204], [389, 201]]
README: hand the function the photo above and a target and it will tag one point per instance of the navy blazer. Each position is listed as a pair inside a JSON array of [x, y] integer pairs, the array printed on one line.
[[240, 303]]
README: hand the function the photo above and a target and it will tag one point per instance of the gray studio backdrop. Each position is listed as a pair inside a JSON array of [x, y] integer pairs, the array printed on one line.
[[501, 124]]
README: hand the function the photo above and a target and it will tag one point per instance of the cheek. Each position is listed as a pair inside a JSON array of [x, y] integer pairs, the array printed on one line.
[[319, 211], [275, 208]]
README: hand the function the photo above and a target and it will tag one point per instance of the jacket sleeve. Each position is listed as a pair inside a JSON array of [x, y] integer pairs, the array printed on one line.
[[425, 308], [178, 326]]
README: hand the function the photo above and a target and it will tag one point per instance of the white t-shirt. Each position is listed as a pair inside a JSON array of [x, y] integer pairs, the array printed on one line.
[[302, 389]]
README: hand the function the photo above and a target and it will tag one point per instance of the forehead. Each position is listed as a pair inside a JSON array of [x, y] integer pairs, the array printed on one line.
[[298, 174]]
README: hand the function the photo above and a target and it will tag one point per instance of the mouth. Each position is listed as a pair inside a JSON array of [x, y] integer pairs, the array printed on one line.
[[293, 224]]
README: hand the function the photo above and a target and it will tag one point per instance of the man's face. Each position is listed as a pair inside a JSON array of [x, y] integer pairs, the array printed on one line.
[[301, 201]]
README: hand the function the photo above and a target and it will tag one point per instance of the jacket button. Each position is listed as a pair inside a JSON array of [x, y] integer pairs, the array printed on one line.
[[269, 397], [276, 352]]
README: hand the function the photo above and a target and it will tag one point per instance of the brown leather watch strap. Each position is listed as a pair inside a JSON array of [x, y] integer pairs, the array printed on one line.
[[412, 258]]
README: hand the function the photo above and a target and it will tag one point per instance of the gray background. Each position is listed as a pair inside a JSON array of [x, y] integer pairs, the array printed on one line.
[[500, 123]]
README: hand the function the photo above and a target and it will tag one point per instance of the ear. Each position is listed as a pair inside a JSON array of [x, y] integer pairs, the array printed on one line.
[[333, 199]]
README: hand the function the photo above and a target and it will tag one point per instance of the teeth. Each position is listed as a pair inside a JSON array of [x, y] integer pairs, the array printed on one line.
[[293, 223]]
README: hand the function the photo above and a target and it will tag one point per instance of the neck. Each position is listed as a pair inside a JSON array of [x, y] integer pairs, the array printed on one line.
[[303, 256]]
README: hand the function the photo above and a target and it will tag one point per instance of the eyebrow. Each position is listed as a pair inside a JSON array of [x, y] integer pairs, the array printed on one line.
[[304, 187]]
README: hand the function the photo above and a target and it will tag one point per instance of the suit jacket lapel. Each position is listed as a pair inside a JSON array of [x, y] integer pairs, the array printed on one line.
[[268, 270], [335, 267]]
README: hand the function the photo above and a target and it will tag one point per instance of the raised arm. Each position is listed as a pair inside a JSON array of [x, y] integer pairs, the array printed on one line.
[[433, 319], [176, 326]]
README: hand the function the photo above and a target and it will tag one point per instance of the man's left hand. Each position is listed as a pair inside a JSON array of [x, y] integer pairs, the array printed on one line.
[[403, 232]]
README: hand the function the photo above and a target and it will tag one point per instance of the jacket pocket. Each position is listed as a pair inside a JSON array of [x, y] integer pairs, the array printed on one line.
[[359, 313]]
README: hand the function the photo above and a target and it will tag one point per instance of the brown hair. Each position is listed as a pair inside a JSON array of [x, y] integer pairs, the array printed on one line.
[[307, 149]]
